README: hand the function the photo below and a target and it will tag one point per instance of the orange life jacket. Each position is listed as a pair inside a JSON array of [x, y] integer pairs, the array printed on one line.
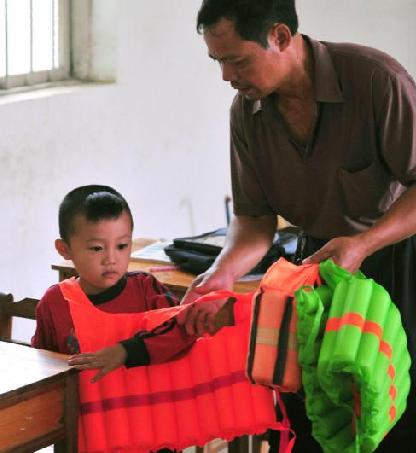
[[190, 401], [273, 354]]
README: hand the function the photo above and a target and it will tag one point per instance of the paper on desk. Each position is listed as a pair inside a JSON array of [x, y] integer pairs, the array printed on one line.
[[251, 278], [153, 252]]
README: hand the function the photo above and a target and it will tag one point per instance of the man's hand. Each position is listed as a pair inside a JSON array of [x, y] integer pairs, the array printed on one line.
[[211, 280], [201, 317], [106, 360], [207, 316], [347, 252]]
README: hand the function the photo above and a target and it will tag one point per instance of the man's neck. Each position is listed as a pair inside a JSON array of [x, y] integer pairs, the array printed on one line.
[[299, 83]]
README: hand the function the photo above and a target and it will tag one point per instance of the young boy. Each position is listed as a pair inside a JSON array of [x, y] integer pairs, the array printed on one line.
[[95, 226], [143, 408]]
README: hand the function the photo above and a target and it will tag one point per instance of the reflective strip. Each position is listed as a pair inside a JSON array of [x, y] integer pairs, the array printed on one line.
[[391, 371], [393, 392], [356, 320], [270, 337], [267, 335]]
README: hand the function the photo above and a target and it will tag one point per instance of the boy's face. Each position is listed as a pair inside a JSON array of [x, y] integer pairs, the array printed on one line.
[[99, 250]]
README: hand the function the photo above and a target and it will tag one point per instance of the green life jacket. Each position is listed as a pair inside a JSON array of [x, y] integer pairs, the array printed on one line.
[[354, 359]]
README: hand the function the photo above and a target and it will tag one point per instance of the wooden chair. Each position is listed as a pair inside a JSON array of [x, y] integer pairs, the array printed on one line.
[[10, 309]]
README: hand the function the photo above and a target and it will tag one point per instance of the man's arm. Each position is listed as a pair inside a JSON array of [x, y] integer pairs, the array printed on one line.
[[398, 223], [248, 240]]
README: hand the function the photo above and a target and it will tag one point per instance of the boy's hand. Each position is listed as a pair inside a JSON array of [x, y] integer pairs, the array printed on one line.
[[107, 359]]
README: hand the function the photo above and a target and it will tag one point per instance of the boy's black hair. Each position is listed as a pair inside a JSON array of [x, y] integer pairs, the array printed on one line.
[[252, 18], [95, 202]]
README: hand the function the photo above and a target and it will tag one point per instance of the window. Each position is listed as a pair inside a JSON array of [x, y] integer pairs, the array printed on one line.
[[34, 42]]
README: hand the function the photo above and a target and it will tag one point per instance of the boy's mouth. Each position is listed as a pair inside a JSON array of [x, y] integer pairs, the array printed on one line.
[[109, 274]]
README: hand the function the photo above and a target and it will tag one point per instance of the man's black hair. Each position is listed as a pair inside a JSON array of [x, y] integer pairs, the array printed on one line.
[[95, 202], [253, 19]]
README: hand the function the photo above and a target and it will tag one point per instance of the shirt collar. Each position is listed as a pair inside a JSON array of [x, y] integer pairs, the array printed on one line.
[[327, 88], [109, 293]]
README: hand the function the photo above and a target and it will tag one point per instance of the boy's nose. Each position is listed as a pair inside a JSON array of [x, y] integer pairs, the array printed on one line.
[[110, 256]]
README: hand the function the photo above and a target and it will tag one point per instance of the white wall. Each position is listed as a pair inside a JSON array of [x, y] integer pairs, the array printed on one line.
[[388, 25], [159, 135]]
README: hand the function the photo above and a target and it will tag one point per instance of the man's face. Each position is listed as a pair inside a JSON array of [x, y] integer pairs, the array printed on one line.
[[250, 68], [100, 251]]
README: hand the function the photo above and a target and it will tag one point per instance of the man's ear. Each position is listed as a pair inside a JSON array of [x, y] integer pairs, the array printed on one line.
[[63, 249], [280, 36]]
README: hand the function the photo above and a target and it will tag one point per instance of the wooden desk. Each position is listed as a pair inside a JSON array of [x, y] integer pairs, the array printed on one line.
[[38, 400], [177, 281]]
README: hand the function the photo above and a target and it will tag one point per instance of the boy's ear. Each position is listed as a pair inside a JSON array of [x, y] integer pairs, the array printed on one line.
[[63, 249]]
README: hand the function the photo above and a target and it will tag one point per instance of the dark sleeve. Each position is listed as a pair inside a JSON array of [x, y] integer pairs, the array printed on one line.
[[169, 341]]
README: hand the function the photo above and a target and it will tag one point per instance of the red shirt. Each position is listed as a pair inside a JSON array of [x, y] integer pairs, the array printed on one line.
[[137, 292]]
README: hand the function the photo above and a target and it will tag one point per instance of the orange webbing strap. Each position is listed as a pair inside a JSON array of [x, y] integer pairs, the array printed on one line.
[[285, 445], [200, 397]]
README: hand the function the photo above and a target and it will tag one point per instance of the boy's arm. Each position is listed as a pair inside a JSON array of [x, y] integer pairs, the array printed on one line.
[[157, 295], [166, 342], [161, 344], [44, 337]]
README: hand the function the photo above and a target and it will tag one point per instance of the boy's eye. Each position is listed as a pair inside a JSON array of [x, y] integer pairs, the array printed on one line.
[[122, 246], [96, 248]]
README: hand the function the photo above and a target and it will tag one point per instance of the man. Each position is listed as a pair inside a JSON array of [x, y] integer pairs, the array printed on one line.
[[324, 135]]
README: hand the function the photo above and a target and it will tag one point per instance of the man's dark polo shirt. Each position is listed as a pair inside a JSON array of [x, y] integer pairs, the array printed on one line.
[[359, 159]]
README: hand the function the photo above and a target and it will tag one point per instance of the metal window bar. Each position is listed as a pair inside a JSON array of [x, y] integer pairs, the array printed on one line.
[[6, 41], [53, 35], [60, 51], [31, 35]]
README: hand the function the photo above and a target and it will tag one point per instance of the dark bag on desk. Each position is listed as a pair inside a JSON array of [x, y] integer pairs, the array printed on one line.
[[196, 254]]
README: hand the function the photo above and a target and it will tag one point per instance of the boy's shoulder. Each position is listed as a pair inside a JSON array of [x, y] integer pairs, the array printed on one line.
[[52, 304], [140, 277], [146, 282], [52, 295], [52, 292]]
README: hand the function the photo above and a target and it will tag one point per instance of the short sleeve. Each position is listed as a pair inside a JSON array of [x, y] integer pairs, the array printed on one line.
[[248, 195], [397, 125]]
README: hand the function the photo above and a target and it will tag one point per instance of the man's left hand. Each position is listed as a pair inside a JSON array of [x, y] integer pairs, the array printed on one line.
[[347, 252]]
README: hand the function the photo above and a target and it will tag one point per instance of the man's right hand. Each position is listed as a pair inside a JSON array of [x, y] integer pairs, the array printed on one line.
[[248, 239], [201, 318]]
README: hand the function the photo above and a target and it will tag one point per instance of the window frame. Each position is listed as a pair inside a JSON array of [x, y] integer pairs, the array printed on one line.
[[61, 73]]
